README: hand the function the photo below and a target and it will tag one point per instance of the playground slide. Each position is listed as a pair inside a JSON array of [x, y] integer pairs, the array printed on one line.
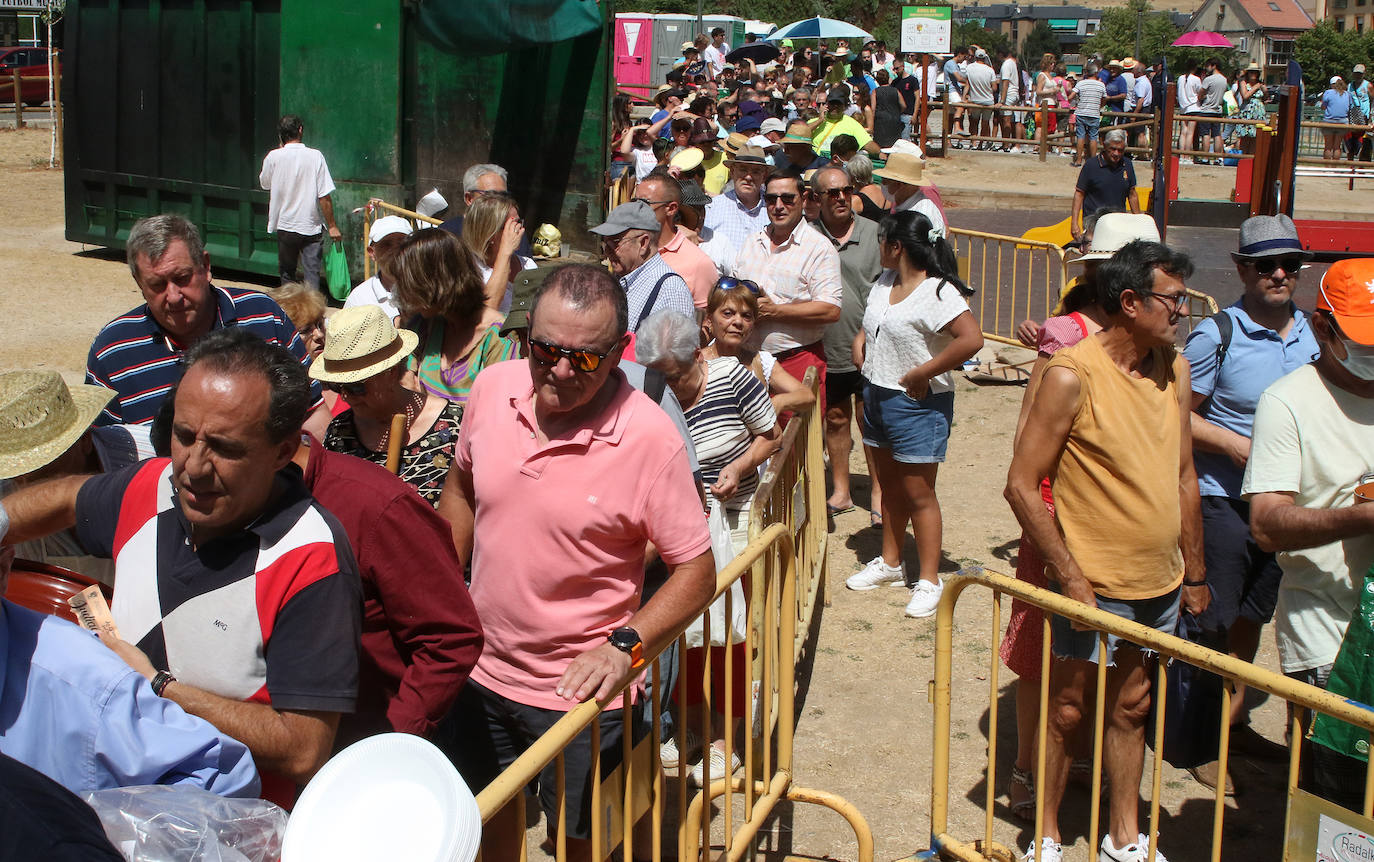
[[1059, 233]]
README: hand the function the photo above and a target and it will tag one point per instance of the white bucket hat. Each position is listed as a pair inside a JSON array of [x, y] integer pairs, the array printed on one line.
[[359, 343]]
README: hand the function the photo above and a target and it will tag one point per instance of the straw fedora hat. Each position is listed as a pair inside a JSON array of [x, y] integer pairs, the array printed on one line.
[[1115, 230], [41, 417], [360, 343], [904, 168]]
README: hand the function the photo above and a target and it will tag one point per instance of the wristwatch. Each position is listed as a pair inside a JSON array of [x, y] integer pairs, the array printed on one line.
[[160, 681], [628, 641]]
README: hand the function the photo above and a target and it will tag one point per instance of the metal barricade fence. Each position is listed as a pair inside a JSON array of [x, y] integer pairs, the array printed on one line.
[[634, 802], [1167, 647]]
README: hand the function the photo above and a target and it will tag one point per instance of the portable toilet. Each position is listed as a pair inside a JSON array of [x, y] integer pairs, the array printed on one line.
[[634, 36], [733, 27], [670, 31]]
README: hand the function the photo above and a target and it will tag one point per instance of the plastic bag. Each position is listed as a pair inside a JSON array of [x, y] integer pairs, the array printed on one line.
[[158, 823], [724, 551], [1352, 676], [336, 272]]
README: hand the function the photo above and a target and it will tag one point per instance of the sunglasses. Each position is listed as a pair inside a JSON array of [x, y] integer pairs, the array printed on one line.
[[787, 198], [1177, 302], [729, 283], [839, 193], [1290, 265], [581, 359], [351, 390]]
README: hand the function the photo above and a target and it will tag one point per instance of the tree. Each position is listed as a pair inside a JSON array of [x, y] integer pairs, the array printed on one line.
[[1039, 42], [1116, 36], [1323, 52], [973, 33]]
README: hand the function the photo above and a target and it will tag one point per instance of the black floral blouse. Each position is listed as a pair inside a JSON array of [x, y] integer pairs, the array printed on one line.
[[424, 463]]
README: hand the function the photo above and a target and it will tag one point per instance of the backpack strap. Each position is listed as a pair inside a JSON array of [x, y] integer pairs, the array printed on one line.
[[655, 383], [1225, 328], [653, 297]]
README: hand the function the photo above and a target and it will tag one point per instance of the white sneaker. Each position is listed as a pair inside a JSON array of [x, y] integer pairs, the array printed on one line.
[[925, 598], [717, 760], [875, 574], [1137, 852], [668, 755], [1050, 851]]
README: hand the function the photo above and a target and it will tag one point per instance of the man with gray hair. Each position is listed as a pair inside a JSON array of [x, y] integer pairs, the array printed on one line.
[[479, 180], [139, 354], [629, 242], [563, 441], [1107, 180]]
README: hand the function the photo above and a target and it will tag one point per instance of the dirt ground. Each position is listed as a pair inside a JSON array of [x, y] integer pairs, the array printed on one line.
[[865, 725]]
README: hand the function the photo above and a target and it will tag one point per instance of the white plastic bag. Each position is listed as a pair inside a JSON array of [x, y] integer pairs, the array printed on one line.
[[158, 823], [724, 551]]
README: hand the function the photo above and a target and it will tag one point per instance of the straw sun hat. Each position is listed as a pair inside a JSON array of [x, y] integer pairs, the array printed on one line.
[[904, 168], [360, 343], [41, 417]]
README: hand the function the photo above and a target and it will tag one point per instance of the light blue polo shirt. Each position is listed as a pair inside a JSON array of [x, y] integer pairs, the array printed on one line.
[[1256, 358]]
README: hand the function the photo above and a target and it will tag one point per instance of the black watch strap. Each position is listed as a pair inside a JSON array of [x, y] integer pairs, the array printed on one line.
[[160, 681]]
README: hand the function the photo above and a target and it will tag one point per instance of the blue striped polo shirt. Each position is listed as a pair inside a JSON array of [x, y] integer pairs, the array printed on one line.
[[138, 360]]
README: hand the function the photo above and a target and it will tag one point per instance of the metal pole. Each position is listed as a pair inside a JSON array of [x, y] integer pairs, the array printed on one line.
[[700, 5], [1138, 17]]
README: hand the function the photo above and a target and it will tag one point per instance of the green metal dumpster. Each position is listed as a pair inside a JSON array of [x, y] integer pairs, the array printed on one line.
[[172, 104]]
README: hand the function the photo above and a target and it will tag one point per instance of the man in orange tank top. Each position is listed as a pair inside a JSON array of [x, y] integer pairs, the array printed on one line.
[[1109, 426]]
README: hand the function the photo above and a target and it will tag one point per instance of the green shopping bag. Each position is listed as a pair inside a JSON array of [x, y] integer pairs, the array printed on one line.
[[1352, 676], [336, 272]]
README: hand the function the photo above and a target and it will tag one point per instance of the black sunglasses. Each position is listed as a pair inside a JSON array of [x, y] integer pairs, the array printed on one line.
[[1290, 265], [726, 282], [581, 359], [352, 390], [788, 198], [838, 193]]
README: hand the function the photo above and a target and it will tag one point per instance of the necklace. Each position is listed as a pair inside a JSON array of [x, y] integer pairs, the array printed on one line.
[[412, 408]]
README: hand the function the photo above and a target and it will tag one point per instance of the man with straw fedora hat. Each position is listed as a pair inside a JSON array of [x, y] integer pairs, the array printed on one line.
[[738, 211], [238, 594], [56, 683], [907, 186]]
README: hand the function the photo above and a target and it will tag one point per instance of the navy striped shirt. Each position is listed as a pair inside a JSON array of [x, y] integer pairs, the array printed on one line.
[[138, 360]]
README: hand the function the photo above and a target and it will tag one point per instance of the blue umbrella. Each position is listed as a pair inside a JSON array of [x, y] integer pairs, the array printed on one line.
[[819, 28]]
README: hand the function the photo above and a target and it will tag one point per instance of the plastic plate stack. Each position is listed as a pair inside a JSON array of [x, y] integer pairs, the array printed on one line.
[[393, 796]]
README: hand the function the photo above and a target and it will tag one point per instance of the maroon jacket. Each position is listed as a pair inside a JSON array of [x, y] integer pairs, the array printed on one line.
[[421, 636]]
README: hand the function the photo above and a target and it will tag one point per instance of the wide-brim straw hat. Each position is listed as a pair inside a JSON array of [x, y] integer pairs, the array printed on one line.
[[359, 343], [41, 417], [1115, 230], [904, 168]]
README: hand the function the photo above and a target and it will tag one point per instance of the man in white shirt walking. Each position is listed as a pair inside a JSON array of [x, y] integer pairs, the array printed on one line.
[[300, 207]]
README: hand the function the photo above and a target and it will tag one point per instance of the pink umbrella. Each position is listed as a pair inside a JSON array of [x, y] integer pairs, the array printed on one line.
[[1202, 39]]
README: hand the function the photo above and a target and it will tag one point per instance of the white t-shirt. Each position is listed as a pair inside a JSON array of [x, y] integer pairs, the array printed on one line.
[[715, 58], [981, 80], [645, 162], [525, 263], [1188, 87], [297, 177], [371, 292], [1314, 440], [897, 338], [1012, 75]]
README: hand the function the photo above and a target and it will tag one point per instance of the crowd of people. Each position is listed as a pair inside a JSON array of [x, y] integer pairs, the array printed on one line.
[[488, 486]]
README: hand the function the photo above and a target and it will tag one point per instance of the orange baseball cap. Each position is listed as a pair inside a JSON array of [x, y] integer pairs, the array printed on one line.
[[1347, 291]]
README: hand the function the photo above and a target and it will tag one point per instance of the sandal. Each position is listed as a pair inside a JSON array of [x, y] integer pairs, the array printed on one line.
[[1021, 794], [875, 520]]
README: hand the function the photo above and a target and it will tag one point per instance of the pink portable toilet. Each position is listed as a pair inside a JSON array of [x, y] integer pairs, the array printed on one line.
[[634, 36]]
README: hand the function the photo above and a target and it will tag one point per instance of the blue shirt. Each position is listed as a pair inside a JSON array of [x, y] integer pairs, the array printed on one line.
[[1116, 87], [1335, 106], [73, 710], [138, 360], [1256, 358]]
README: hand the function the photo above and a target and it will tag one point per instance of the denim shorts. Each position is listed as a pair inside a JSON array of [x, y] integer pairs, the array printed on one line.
[[1085, 128], [917, 432], [1159, 613]]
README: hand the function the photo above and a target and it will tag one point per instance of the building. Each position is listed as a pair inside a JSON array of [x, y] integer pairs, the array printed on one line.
[[1074, 25], [21, 23], [1263, 31], [1357, 15]]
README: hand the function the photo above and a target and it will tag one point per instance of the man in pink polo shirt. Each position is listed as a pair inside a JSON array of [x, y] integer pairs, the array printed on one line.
[[685, 257], [572, 473]]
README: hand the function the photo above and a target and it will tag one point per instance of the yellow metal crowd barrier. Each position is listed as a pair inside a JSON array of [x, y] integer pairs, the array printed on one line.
[[659, 813], [375, 209], [1167, 647]]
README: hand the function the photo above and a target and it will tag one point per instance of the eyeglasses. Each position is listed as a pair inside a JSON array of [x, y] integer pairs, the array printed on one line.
[[581, 359], [787, 198], [350, 390], [1177, 302], [729, 283], [1290, 265], [652, 203], [839, 193]]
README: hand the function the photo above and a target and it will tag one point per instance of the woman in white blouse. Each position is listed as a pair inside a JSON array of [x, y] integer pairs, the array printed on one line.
[[917, 329]]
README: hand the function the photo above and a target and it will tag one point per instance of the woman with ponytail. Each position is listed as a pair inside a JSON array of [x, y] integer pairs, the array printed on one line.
[[917, 329]]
